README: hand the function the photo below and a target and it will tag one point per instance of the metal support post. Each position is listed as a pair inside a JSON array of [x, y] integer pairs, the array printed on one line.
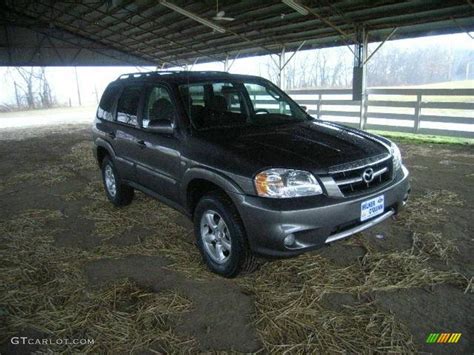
[[226, 63], [281, 69], [359, 90]]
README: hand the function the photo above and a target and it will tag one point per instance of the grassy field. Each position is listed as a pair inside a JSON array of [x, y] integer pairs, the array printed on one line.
[[423, 138]]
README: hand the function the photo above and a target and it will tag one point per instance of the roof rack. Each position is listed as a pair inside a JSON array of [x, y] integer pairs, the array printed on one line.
[[146, 74], [166, 72]]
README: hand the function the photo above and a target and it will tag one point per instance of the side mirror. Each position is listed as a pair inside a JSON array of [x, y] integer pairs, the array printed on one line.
[[305, 108], [161, 126]]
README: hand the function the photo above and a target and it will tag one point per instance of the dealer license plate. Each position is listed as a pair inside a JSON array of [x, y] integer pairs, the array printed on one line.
[[371, 208]]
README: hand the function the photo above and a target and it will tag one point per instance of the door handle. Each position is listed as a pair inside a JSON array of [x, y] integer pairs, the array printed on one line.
[[111, 135], [141, 143]]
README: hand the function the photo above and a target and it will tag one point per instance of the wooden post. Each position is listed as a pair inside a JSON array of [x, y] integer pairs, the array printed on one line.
[[364, 108], [318, 107], [417, 113]]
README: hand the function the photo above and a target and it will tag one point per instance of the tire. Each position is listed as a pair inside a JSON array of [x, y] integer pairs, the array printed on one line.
[[214, 248], [118, 193]]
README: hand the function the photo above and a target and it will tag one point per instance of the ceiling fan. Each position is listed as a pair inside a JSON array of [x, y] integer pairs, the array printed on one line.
[[220, 15]]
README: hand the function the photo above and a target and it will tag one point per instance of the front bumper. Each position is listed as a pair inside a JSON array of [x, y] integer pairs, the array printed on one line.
[[314, 221]]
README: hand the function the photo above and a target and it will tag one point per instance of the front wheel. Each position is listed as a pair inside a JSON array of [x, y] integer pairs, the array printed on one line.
[[117, 192], [221, 237]]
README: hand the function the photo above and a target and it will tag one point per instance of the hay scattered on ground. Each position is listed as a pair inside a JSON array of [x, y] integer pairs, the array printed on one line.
[[470, 286], [75, 162], [44, 289], [158, 233], [81, 157], [390, 271], [291, 294], [429, 209], [292, 314], [435, 245]]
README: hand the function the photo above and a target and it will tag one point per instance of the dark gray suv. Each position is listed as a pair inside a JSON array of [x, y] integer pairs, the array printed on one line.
[[255, 173]]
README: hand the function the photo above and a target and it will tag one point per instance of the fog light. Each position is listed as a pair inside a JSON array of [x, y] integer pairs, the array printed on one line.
[[405, 199], [289, 240]]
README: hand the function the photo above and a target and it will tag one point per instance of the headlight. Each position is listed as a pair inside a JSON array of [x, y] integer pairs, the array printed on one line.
[[397, 157], [284, 183]]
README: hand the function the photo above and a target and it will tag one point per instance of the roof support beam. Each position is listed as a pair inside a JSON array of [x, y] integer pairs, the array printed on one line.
[[282, 63], [29, 18], [461, 27], [147, 32], [227, 64], [381, 44], [345, 36], [297, 50], [194, 63]]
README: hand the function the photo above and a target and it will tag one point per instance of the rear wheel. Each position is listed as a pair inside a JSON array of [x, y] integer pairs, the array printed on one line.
[[117, 192], [221, 237]]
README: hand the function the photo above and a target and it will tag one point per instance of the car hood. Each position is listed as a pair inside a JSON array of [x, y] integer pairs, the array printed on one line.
[[314, 145]]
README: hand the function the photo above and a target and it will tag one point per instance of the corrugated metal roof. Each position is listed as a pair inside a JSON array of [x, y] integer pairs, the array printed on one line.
[[146, 32]]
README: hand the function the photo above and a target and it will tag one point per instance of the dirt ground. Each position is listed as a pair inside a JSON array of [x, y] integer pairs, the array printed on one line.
[[131, 279]]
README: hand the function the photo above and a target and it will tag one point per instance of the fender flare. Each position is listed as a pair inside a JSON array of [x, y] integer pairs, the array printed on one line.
[[215, 177], [100, 142]]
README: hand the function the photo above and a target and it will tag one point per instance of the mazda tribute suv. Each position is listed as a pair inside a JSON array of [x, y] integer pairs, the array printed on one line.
[[256, 174]]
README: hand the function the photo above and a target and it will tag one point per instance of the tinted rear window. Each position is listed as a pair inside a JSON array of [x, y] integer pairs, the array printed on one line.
[[107, 102], [127, 107]]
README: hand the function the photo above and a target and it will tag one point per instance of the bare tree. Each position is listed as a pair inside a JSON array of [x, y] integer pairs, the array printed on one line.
[[32, 89], [314, 69], [44, 90], [26, 85]]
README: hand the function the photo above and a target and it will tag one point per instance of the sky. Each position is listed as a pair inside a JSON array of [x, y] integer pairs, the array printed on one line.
[[93, 80]]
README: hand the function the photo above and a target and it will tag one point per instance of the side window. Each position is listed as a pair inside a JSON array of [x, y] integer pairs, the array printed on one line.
[[196, 94], [127, 107], [265, 100], [107, 102], [159, 106], [232, 95], [193, 98]]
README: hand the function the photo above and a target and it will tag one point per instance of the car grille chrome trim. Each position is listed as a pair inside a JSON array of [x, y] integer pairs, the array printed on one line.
[[352, 182], [359, 164], [359, 179], [360, 227]]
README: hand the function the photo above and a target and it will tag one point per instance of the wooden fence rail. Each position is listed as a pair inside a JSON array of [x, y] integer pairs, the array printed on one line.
[[448, 112]]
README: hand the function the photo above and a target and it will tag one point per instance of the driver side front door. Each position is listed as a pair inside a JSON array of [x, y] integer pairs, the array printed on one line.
[[158, 168]]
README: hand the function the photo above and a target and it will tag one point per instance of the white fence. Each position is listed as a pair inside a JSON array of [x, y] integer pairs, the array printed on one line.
[[448, 112]]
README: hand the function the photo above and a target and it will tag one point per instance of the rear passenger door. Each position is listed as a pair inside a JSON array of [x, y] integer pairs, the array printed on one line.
[[158, 168], [126, 145]]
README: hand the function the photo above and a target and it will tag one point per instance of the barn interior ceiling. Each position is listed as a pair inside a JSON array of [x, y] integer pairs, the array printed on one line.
[[167, 33]]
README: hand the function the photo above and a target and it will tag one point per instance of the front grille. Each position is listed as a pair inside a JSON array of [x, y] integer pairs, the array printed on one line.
[[352, 181]]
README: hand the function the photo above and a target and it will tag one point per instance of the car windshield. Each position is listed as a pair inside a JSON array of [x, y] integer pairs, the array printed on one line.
[[221, 104]]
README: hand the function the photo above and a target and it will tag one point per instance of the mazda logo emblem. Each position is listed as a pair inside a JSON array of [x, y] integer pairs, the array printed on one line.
[[368, 175]]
